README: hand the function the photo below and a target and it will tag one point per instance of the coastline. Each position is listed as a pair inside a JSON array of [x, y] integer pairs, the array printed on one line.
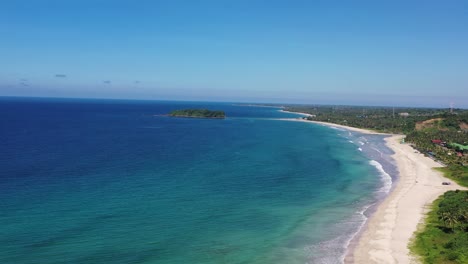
[[385, 236], [360, 130], [389, 230], [355, 129]]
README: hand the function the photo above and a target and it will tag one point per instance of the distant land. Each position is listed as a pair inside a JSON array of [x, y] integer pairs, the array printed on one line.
[[198, 113], [435, 133]]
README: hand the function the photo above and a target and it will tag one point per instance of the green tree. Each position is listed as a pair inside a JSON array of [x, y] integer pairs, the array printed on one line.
[[450, 218]]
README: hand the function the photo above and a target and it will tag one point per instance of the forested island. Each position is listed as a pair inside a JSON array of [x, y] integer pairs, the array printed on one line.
[[198, 113]]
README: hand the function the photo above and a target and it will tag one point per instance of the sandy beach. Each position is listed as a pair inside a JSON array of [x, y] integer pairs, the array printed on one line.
[[361, 130], [387, 233], [328, 124], [390, 229]]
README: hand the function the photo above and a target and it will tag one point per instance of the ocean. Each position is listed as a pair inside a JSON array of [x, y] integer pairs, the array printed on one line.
[[115, 181]]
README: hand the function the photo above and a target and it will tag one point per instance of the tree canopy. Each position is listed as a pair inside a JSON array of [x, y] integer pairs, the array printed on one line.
[[198, 113]]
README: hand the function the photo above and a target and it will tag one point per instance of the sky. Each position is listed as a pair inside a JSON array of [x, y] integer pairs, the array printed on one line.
[[401, 53]]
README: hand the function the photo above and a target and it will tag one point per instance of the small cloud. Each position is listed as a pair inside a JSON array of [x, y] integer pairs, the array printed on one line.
[[107, 82], [23, 82], [60, 75]]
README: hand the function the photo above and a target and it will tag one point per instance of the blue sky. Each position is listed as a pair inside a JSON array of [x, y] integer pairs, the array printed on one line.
[[338, 52]]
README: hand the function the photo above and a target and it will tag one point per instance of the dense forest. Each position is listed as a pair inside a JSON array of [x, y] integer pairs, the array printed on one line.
[[198, 113], [383, 119]]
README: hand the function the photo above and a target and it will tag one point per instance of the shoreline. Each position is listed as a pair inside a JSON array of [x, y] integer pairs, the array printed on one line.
[[333, 125], [389, 230], [299, 113], [386, 234]]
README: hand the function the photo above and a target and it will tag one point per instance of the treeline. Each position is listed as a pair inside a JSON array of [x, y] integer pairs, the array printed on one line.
[[448, 129], [382, 119], [443, 124], [422, 141], [445, 236]]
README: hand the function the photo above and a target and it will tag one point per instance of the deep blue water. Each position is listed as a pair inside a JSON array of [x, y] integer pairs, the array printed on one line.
[[110, 181]]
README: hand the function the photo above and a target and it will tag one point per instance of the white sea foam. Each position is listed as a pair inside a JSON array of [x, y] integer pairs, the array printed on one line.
[[363, 140], [337, 248], [360, 149], [386, 179], [350, 141], [380, 152], [362, 143], [363, 219], [337, 128]]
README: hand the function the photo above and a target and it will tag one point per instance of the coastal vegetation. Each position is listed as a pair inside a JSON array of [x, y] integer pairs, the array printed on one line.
[[440, 134], [456, 173], [382, 119], [197, 113], [444, 238]]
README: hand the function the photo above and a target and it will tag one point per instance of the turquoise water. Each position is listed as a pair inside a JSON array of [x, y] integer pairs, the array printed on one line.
[[89, 181]]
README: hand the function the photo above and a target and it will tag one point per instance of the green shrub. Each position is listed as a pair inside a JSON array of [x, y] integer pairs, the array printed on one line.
[[444, 238]]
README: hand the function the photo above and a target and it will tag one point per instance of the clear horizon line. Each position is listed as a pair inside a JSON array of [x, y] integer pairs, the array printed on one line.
[[218, 101]]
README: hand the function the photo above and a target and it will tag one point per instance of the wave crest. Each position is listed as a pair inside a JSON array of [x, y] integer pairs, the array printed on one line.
[[386, 178]]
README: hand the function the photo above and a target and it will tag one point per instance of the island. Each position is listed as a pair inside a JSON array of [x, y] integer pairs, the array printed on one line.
[[198, 113]]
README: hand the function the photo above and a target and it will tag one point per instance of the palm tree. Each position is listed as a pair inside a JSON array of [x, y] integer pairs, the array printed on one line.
[[450, 218]]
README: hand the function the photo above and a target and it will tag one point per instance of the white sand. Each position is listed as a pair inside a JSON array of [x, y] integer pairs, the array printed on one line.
[[388, 232], [299, 113], [361, 130], [390, 228]]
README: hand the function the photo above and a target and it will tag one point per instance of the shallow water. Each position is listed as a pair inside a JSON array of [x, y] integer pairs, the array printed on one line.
[[94, 181]]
